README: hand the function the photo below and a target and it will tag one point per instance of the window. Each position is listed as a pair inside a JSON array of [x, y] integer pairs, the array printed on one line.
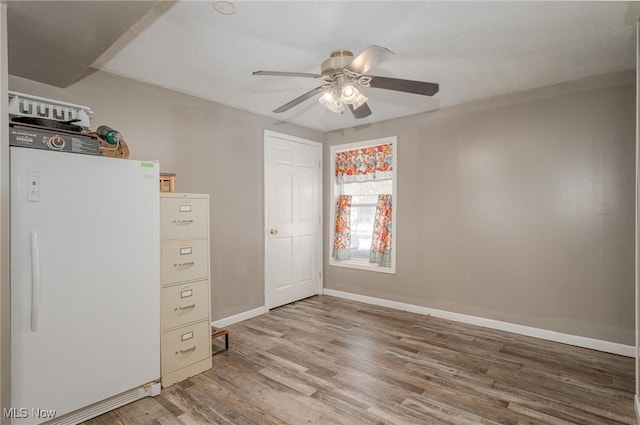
[[363, 203]]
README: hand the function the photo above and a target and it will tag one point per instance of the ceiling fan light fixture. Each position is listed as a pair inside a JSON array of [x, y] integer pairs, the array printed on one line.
[[326, 98], [350, 95], [360, 100], [331, 102]]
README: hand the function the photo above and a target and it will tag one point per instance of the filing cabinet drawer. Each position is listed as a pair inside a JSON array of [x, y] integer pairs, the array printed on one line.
[[184, 260], [184, 218], [186, 345], [184, 303]]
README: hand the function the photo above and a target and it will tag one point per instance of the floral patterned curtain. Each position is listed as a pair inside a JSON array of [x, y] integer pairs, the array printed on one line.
[[342, 233], [357, 165], [381, 242]]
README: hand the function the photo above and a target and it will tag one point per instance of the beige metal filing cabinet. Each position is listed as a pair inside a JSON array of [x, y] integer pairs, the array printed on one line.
[[185, 295]]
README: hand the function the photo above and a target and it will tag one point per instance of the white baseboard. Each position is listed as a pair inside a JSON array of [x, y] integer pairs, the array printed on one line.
[[580, 341], [239, 317]]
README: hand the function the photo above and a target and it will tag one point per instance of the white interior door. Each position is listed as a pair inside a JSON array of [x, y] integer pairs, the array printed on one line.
[[293, 221]]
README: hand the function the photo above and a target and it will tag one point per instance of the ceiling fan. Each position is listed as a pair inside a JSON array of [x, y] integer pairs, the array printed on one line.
[[342, 74]]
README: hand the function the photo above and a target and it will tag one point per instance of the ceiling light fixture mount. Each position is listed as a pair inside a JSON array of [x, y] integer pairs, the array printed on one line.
[[225, 7]]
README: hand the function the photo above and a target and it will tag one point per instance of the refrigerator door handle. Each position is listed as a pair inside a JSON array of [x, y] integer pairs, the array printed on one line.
[[35, 281]]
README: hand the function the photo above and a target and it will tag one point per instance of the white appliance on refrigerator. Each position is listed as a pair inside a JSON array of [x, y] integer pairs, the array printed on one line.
[[85, 315]]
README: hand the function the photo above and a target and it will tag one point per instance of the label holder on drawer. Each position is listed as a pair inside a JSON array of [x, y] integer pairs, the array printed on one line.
[[186, 336], [184, 208], [186, 293]]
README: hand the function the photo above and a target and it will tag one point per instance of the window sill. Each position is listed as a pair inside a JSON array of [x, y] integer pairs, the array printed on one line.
[[361, 264]]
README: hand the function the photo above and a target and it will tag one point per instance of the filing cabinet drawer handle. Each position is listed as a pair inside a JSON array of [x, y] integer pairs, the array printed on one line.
[[183, 221], [189, 264], [188, 350], [187, 307]]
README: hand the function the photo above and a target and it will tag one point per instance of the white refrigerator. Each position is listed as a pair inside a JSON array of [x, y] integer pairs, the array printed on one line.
[[85, 318]]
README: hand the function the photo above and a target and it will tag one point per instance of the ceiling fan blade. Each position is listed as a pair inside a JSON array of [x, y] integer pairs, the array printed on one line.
[[408, 86], [299, 100], [369, 58], [286, 74], [362, 111]]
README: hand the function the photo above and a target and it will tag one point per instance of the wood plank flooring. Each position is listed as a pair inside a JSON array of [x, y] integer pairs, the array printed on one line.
[[325, 360]]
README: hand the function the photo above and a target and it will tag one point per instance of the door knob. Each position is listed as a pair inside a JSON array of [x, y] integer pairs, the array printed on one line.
[[273, 231]]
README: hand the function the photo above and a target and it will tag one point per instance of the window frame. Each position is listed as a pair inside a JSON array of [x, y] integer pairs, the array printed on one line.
[[359, 263]]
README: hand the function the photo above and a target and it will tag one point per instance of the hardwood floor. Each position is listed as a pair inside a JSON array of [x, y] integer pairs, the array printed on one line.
[[325, 360]]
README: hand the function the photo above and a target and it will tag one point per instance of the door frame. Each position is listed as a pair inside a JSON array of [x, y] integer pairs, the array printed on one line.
[[320, 247]]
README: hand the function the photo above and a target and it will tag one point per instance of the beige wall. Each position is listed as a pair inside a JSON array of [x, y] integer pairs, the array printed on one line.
[[212, 148], [522, 213]]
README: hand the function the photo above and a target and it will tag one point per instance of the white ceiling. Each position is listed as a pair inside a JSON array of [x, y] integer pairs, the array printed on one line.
[[474, 50]]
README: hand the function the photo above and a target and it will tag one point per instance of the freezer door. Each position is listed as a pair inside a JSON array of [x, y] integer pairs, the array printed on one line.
[[84, 279]]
